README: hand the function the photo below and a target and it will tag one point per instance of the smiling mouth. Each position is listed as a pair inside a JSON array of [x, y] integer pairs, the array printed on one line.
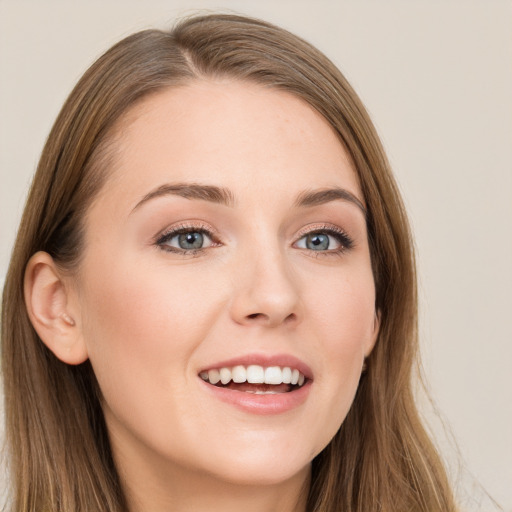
[[255, 379]]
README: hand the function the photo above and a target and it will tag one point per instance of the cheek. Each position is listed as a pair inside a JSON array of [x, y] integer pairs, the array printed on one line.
[[141, 325], [345, 319], [345, 309]]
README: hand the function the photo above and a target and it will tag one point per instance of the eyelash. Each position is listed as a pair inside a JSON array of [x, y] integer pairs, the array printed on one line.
[[346, 243]]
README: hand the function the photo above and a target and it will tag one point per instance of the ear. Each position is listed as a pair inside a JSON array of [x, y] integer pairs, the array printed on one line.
[[52, 309], [375, 334]]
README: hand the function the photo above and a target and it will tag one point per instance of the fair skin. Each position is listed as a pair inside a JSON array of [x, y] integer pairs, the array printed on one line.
[[257, 274]]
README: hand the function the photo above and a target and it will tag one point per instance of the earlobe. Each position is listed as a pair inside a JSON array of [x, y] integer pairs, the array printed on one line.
[[51, 310]]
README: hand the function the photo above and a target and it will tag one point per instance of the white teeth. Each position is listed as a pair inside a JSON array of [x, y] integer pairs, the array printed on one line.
[[239, 374], [213, 376], [225, 375], [254, 374], [262, 392], [273, 375]]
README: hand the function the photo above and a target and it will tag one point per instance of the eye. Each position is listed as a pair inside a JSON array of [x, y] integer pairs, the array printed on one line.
[[318, 242], [185, 240], [325, 240]]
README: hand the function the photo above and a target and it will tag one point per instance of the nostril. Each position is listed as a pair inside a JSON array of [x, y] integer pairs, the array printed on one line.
[[291, 317], [266, 318]]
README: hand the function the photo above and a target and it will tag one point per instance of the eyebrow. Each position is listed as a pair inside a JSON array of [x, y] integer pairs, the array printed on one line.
[[318, 197], [224, 196], [209, 193]]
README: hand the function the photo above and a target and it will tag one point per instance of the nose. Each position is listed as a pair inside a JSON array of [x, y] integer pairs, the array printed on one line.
[[265, 291]]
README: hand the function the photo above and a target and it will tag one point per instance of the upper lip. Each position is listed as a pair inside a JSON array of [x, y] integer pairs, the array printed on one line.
[[265, 360]]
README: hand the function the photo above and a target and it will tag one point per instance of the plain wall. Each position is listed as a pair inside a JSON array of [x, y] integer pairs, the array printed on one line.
[[436, 77]]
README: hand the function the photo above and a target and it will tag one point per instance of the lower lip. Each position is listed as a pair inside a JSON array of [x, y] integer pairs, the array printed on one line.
[[261, 404]]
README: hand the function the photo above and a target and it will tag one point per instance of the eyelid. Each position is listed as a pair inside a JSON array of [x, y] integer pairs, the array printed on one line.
[[313, 228]]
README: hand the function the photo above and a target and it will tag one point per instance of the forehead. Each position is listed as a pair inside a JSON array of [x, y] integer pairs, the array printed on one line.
[[240, 135]]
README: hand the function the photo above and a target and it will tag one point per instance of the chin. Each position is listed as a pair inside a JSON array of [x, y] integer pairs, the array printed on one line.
[[247, 473], [260, 464]]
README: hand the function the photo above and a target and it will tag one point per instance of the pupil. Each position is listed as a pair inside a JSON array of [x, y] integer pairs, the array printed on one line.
[[317, 242], [191, 240]]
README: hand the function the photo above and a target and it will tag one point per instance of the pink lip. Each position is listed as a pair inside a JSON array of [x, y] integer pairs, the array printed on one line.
[[265, 360], [262, 404]]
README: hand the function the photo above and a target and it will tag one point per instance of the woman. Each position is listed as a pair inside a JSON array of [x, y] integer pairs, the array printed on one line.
[[219, 298]]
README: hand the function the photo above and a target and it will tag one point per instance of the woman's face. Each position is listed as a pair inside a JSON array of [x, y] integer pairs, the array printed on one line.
[[230, 234]]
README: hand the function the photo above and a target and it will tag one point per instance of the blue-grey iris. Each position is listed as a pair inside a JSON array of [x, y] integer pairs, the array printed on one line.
[[317, 241], [191, 240]]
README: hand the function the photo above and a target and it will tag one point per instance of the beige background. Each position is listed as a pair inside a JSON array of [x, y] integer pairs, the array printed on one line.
[[437, 78]]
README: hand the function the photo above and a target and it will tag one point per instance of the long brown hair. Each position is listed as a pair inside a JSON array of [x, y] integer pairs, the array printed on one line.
[[59, 456]]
